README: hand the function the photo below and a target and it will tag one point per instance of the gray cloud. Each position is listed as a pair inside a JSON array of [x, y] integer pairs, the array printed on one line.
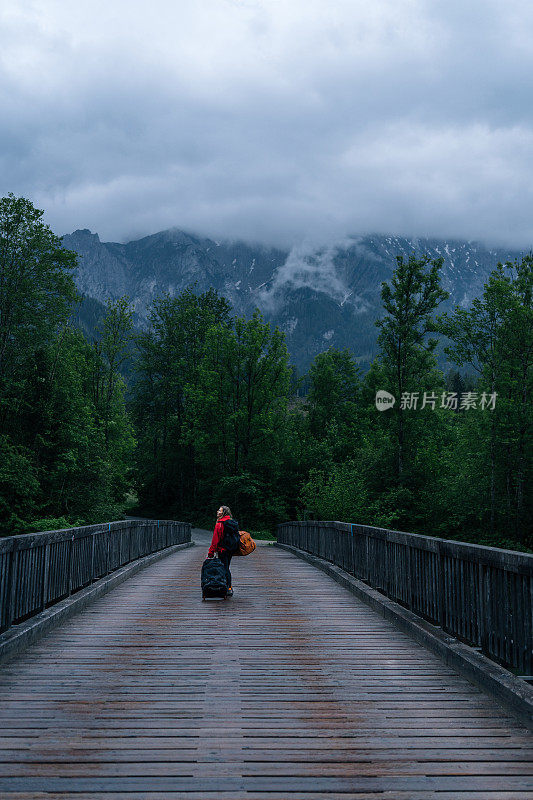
[[275, 121]]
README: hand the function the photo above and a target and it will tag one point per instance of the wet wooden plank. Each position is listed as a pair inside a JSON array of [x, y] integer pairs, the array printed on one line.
[[325, 785], [296, 795], [343, 768]]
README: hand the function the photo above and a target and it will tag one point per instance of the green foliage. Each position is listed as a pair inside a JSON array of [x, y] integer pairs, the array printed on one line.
[[372, 465], [334, 405], [210, 403], [495, 338], [168, 371], [48, 524], [407, 354], [18, 484], [64, 453], [334, 389], [36, 291], [268, 535]]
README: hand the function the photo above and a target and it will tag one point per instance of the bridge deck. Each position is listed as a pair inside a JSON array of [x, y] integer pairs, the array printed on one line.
[[292, 689]]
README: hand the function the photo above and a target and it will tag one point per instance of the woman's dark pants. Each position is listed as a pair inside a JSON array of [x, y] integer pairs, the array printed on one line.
[[225, 557]]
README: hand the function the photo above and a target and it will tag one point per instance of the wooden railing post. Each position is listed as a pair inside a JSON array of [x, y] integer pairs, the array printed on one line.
[[12, 587], [93, 552], [46, 569], [367, 557], [107, 550], [485, 604], [441, 590], [70, 563]]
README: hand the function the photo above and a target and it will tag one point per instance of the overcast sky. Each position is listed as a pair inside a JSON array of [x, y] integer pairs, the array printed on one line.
[[278, 121]]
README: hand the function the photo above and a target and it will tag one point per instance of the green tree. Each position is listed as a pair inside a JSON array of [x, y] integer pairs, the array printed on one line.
[[379, 464], [241, 404], [112, 350], [210, 406], [57, 465], [168, 369], [36, 297], [333, 399], [407, 356], [495, 338], [331, 435], [248, 377]]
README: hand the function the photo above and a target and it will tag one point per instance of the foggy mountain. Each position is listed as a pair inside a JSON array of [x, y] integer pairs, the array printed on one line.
[[318, 296]]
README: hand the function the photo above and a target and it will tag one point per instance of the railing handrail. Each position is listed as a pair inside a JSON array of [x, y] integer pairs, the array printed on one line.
[[485, 552], [481, 595], [80, 530]]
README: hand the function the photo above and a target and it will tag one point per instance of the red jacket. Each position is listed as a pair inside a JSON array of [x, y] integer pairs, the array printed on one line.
[[218, 533]]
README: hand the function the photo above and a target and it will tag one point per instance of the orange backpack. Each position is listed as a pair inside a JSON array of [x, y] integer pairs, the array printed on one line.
[[247, 544]]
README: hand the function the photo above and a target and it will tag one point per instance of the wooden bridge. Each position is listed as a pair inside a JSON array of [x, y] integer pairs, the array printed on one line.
[[293, 689]]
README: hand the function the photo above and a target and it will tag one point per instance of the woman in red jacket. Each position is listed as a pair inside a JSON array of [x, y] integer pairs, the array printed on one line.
[[223, 513]]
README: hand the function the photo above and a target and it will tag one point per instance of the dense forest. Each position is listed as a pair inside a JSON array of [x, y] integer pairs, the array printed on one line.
[[203, 408]]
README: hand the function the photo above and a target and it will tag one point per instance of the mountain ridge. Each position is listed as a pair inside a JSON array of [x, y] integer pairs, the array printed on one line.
[[319, 296]]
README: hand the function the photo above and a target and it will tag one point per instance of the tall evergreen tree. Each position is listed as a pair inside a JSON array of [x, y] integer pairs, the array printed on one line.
[[333, 393], [169, 363], [242, 407], [56, 463], [495, 338], [36, 297], [210, 404], [407, 354]]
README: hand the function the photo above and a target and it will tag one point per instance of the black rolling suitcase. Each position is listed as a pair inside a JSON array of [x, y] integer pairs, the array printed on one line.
[[214, 582]]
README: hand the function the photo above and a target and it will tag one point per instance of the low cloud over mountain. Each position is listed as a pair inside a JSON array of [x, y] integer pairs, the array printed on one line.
[[320, 296]]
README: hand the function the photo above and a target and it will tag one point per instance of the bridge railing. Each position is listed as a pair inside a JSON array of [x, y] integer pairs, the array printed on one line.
[[40, 569], [481, 595]]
